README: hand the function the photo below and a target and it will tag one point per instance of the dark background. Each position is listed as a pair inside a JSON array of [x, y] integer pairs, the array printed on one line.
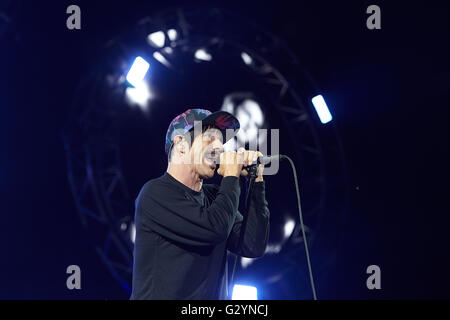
[[388, 91]]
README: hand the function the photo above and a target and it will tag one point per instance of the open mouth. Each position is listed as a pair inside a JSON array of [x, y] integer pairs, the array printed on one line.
[[211, 158]]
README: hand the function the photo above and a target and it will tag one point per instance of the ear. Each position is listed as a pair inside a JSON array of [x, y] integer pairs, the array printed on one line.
[[179, 143]]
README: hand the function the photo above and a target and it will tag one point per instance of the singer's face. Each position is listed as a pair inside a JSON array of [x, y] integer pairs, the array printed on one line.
[[205, 152]]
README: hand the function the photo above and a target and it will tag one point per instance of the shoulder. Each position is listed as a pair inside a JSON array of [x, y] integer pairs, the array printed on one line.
[[157, 192], [153, 183], [154, 187]]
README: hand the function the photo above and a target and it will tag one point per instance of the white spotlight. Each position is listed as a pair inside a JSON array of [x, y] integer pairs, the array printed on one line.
[[173, 34], [201, 54], [158, 56], [241, 292], [245, 262], [251, 118], [156, 39], [289, 228], [247, 59], [137, 71], [321, 109], [133, 233], [139, 95], [168, 50]]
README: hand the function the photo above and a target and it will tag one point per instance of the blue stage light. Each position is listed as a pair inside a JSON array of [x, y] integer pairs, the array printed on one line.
[[137, 71], [321, 109], [203, 55], [241, 292], [156, 39]]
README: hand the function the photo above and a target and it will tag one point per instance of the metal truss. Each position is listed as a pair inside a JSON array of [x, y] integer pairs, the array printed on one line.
[[93, 153]]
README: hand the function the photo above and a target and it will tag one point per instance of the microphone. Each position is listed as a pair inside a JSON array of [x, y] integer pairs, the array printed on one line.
[[253, 168], [269, 159]]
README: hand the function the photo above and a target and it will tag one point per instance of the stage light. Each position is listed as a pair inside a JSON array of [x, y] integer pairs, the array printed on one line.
[[139, 95], [321, 109], [245, 262], [241, 292], [168, 50], [173, 34], [137, 71], [156, 39], [247, 59], [201, 54], [159, 57], [288, 228], [251, 118], [133, 232], [250, 114]]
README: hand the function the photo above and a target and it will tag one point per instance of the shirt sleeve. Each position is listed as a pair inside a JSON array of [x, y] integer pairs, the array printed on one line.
[[256, 233], [176, 217]]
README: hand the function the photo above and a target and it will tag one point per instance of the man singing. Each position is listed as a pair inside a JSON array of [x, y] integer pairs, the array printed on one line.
[[184, 227]]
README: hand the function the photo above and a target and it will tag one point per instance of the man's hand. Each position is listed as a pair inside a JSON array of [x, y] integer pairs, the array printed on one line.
[[250, 157], [231, 163]]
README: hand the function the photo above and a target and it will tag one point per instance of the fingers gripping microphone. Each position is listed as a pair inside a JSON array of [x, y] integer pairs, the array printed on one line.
[[253, 168], [261, 160]]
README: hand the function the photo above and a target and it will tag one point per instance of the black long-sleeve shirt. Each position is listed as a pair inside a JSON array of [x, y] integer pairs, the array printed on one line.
[[182, 237]]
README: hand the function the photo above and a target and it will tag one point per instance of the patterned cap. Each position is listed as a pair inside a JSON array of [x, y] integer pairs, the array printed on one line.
[[184, 122]]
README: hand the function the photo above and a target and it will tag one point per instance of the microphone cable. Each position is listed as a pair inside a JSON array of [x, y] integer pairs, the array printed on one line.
[[250, 183], [302, 225]]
